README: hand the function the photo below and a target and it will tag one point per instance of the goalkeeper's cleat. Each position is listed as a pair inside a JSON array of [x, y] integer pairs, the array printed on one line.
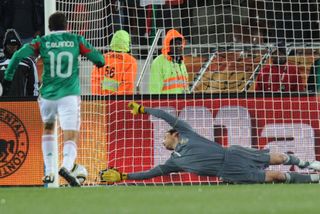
[[315, 165], [72, 180], [304, 164], [48, 178]]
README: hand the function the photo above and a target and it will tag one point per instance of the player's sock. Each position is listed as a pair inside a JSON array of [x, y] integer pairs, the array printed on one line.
[[48, 145], [69, 154], [315, 177], [293, 160], [292, 177]]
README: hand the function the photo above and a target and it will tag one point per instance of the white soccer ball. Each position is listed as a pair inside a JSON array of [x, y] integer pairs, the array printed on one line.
[[80, 172]]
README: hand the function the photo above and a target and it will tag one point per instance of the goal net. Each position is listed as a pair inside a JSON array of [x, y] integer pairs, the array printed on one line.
[[252, 72]]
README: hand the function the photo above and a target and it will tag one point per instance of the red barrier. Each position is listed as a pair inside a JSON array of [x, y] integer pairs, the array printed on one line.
[[281, 124], [112, 136], [20, 147]]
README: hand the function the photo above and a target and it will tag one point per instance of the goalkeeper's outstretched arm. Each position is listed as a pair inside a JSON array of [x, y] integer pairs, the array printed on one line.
[[162, 169], [174, 122], [157, 171], [113, 175], [181, 126]]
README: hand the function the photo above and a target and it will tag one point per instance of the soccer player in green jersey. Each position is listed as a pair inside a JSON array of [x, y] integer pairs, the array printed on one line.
[[60, 90]]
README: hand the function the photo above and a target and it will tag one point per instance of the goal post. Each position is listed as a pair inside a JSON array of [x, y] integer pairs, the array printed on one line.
[[50, 8], [228, 43]]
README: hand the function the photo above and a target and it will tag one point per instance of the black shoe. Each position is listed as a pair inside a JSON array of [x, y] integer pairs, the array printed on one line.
[[73, 181], [48, 179]]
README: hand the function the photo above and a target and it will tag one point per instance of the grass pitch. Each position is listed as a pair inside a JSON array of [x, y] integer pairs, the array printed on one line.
[[221, 199]]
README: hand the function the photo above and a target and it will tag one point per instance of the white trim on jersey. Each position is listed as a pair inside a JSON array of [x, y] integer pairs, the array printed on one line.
[[7, 61]]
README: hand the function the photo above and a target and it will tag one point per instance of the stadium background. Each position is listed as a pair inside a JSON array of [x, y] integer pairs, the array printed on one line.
[[237, 33]]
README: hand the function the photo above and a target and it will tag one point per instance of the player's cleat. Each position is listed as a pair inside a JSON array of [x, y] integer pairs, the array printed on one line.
[[48, 179], [304, 164], [315, 165], [73, 181]]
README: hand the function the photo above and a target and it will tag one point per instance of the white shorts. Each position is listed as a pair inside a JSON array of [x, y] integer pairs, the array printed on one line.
[[66, 108]]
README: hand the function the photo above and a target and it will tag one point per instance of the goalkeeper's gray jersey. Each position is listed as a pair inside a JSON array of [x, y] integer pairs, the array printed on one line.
[[196, 154], [201, 156]]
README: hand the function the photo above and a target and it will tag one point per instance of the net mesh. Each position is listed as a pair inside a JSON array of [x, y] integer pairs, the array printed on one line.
[[228, 46]]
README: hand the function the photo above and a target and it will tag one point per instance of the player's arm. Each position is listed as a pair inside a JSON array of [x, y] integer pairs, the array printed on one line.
[[113, 175], [157, 171], [96, 76], [181, 126], [25, 51], [87, 50]]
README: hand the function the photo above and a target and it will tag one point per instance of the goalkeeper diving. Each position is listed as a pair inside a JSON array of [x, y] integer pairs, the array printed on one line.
[[196, 154]]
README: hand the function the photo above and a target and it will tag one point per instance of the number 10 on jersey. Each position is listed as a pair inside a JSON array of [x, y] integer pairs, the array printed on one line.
[[56, 64]]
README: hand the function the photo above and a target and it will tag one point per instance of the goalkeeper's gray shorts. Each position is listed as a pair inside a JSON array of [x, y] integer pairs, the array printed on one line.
[[245, 165]]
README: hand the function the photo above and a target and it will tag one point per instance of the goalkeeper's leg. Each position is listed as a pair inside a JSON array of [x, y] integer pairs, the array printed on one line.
[[287, 159], [291, 177]]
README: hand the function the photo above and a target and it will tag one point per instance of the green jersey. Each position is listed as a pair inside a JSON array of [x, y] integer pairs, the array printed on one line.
[[59, 51]]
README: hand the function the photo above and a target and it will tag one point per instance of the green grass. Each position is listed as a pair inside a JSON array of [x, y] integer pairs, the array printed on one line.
[[221, 199]]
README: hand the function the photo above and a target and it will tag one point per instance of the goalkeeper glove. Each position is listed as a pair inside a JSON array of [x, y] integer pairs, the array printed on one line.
[[112, 175], [136, 108]]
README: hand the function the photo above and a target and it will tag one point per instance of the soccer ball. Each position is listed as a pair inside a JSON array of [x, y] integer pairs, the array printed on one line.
[[80, 172]]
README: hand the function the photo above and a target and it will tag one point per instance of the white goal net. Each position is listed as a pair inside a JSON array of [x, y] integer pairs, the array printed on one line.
[[253, 72]]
